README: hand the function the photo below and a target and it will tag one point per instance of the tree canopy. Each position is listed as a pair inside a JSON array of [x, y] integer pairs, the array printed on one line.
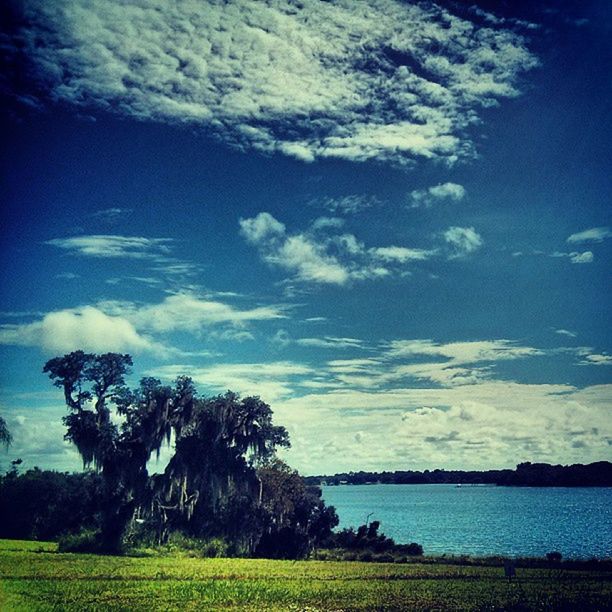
[[217, 481]]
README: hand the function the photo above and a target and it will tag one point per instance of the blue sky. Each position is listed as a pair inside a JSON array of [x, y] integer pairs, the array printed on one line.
[[390, 220]]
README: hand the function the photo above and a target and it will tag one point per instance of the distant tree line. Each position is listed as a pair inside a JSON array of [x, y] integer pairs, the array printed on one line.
[[223, 481], [526, 474]]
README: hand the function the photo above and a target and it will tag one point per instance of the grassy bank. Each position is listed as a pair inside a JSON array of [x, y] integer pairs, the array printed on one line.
[[34, 576]]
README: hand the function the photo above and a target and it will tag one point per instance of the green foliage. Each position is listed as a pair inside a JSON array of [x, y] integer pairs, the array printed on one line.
[[211, 487], [180, 544], [42, 505], [295, 519], [366, 544], [88, 541], [365, 537]]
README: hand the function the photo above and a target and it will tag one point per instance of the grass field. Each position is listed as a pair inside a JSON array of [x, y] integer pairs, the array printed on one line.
[[34, 576]]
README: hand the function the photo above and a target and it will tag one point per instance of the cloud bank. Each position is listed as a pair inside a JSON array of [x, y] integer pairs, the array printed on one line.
[[386, 80]]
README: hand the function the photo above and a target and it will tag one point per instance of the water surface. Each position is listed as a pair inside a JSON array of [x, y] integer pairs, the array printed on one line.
[[482, 520]]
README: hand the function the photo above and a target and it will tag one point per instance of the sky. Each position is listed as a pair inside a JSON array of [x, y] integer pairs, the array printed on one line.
[[390, 220]]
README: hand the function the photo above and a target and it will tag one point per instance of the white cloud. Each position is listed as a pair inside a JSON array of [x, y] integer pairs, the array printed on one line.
[[320, 256], [450, 364], [595, 359], [574, 257], [156, 252], [463, 240], [38, 436], [114, 246], [340, 80], [309, 260], [566, 332], [488, 424], [581, 258], [438, 193], [126, 326], [272, 381], [187, 312], [330, 342], [463, 352], [86, 328], [595, 234], [401, 254], [323, 223], [349, 204], [262, 227]]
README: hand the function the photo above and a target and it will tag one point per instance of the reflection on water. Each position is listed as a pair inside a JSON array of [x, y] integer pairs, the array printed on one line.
[[480, 520]]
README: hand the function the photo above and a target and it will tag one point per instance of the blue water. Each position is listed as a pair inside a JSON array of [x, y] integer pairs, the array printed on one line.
[[513, 521]]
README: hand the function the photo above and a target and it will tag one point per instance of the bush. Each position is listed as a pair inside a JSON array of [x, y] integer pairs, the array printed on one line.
[[554, 556], [178, 542], [215, 547], [87, 541], [413, 549]]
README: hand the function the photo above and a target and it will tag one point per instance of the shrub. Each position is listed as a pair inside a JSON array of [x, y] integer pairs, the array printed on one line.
[[178, 542], [215, 547], [413, 549], [554, 556], [87, 541]]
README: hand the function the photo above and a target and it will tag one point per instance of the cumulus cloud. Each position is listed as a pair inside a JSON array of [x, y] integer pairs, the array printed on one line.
[[439, 193], [595, 234], [127, 326], [581, 258], [262, 227], [386, 80], [38, 435], [86, 328], [320, 255], [487, 424], [462, 240]]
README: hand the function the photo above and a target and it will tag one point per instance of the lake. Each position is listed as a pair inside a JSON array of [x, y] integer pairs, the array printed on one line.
[[483, 520]]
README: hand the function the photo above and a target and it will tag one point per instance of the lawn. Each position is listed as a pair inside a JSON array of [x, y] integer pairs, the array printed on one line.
[[34, 576]]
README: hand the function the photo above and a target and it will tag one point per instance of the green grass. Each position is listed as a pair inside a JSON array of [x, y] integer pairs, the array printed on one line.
[[34, 576]]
